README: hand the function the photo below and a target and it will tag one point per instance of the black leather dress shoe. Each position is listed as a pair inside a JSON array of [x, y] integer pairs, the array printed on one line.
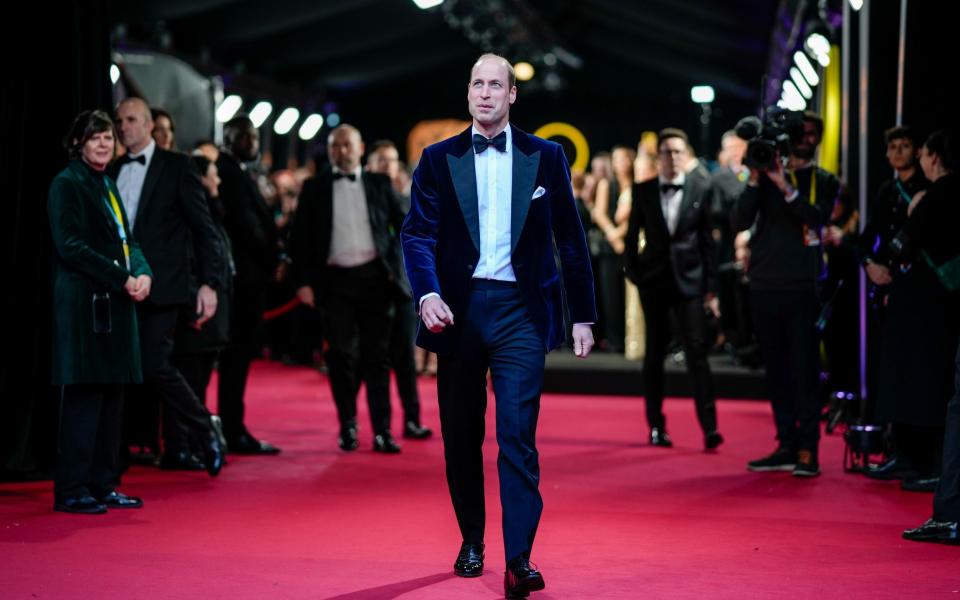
[[712, 440], [384, 442], [469, 561], [180, 461], [347, 440], [521, 578], [895, 468], [86, 505], [117, 500], [214, 454], [944, 532], [414, 431], [659, 437], [247, 444]]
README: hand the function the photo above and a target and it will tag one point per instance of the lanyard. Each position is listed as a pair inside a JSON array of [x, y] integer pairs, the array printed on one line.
[[114, 208], [813, 184], [903, 193]]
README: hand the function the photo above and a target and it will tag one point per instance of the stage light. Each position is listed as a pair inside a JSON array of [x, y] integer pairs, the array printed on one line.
[[524, 71], [114, 74], [333, 119], [425, 4], [702, 94], [260, 113], [800, 83], [229, 107], [818, 45], [310, 127], [856, 4], [806, 68], [793, 97], [286, 121]]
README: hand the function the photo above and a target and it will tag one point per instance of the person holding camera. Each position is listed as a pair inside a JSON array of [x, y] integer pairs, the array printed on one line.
[[675, 272], [790, 205], [99, 273], [922, 327]]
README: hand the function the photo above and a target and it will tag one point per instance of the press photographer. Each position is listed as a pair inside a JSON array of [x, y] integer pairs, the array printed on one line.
[[788, 201]]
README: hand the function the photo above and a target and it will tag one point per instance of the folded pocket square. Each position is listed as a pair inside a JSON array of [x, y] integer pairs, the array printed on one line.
[[539, 192]]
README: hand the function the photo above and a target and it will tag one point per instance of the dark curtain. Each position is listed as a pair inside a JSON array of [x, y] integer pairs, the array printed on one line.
[[49, 75]]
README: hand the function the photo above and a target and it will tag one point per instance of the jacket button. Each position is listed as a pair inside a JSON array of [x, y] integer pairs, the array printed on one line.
[[470, 267]]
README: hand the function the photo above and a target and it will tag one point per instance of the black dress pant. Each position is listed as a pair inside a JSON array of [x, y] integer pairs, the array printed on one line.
[[402, 343], [946, 500], [785, 322], [613, 299], [234, 363], [691, 320], [179, 403], [358, 308], [88, 456]]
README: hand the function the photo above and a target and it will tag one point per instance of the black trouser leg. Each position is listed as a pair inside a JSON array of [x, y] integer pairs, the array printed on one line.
[[402, 344], [89, 440], [656, 313], [234, 363], [692, 319]]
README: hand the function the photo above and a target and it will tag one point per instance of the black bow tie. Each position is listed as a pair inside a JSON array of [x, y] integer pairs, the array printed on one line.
[[126, 158], [667, 187], [481, 143], [338, 175]]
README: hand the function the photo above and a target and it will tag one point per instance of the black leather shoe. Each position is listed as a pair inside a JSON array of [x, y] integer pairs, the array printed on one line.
[[180, 461], [924, 483], [659, 437], [214, 454], [712, 440], [247, 444], [86, 505], [469, 561], [117, 500], [895, 468], [415, 431], [347, 440], [384, 442], [521, 578], [944, 532]]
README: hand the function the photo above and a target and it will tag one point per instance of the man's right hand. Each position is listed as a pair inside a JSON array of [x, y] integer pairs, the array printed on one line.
[[878, 274], [306, 296], [435, 314]]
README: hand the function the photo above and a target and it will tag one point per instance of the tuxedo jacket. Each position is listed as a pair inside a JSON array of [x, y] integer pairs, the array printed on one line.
[[686, 258], [441, 236], [313, 230], [172, 223], [249, 224]]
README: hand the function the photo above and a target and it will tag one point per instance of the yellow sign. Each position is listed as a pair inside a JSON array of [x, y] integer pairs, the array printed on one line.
[[573, 134]]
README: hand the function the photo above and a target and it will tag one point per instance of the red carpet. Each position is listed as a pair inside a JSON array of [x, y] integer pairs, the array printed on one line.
[[621, 519]]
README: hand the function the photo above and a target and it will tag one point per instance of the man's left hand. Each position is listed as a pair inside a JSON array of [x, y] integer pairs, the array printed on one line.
[[712, 304], [582, 340], [206, 304]]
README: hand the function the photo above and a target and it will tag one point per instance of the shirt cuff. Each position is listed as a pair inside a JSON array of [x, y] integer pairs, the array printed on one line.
[[590, 323], [792, 196], [424, 297]]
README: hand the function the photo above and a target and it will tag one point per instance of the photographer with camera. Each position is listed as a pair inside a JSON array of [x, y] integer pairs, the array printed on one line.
[[790, 203]]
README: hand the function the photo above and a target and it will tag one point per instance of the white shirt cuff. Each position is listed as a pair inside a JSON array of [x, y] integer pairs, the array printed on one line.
[[424, 297]]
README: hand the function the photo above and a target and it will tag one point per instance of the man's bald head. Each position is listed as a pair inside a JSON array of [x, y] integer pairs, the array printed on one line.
[[345, 148], [135, 124]]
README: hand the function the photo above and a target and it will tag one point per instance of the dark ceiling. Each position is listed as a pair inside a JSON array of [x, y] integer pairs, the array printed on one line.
[[386, 64]]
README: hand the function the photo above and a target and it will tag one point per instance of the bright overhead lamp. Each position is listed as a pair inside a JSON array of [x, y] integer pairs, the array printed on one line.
[[425, 4], [801, 84], [806, 68], [229, 107], [524, 71], [702, 94], [310, 127], [260, 113], [286, 121]]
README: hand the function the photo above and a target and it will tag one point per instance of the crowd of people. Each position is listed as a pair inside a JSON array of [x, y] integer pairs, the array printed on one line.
[[166, 261]]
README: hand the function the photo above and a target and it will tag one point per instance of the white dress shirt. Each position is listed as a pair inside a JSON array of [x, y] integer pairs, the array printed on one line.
[[351, 239], [494, 171], [670, 201], [130, 181]]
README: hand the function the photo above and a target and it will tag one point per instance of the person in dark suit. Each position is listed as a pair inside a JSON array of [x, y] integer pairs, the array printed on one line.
[[99, 273], [253, 238], [675, 272], [342, 249], [162, 194], [491, 211]]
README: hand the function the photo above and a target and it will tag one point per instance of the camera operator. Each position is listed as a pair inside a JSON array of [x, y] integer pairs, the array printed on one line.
[[922, 326], [790, 204]]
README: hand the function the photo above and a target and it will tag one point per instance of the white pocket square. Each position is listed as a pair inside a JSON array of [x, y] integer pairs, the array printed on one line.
[[539, 192]]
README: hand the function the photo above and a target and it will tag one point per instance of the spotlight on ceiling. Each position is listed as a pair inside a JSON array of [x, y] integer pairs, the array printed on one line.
[[229, 107], [260, 113], [524, 71], [425, 4], [310, 127], [702, 94], [286, 121]]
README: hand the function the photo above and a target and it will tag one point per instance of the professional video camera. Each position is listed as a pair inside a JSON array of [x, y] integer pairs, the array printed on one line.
[[766, 137]]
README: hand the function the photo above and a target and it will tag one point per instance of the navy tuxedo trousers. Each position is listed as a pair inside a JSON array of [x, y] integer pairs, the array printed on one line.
[[496, 334]]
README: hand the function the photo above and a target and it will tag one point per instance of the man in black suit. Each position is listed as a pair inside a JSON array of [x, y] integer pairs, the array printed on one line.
[[345, 263], [168, 212], [675, 272], [253, 238]]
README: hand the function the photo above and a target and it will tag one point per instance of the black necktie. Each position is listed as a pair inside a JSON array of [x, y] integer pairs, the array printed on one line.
[[481, 143], [338, 175], [667, 187], [126, 158]]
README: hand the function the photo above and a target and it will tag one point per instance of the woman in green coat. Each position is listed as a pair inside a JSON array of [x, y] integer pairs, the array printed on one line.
[[98, 275]]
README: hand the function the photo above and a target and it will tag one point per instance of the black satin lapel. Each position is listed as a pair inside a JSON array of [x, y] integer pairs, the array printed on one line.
[[464, 177], [524, 176]]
